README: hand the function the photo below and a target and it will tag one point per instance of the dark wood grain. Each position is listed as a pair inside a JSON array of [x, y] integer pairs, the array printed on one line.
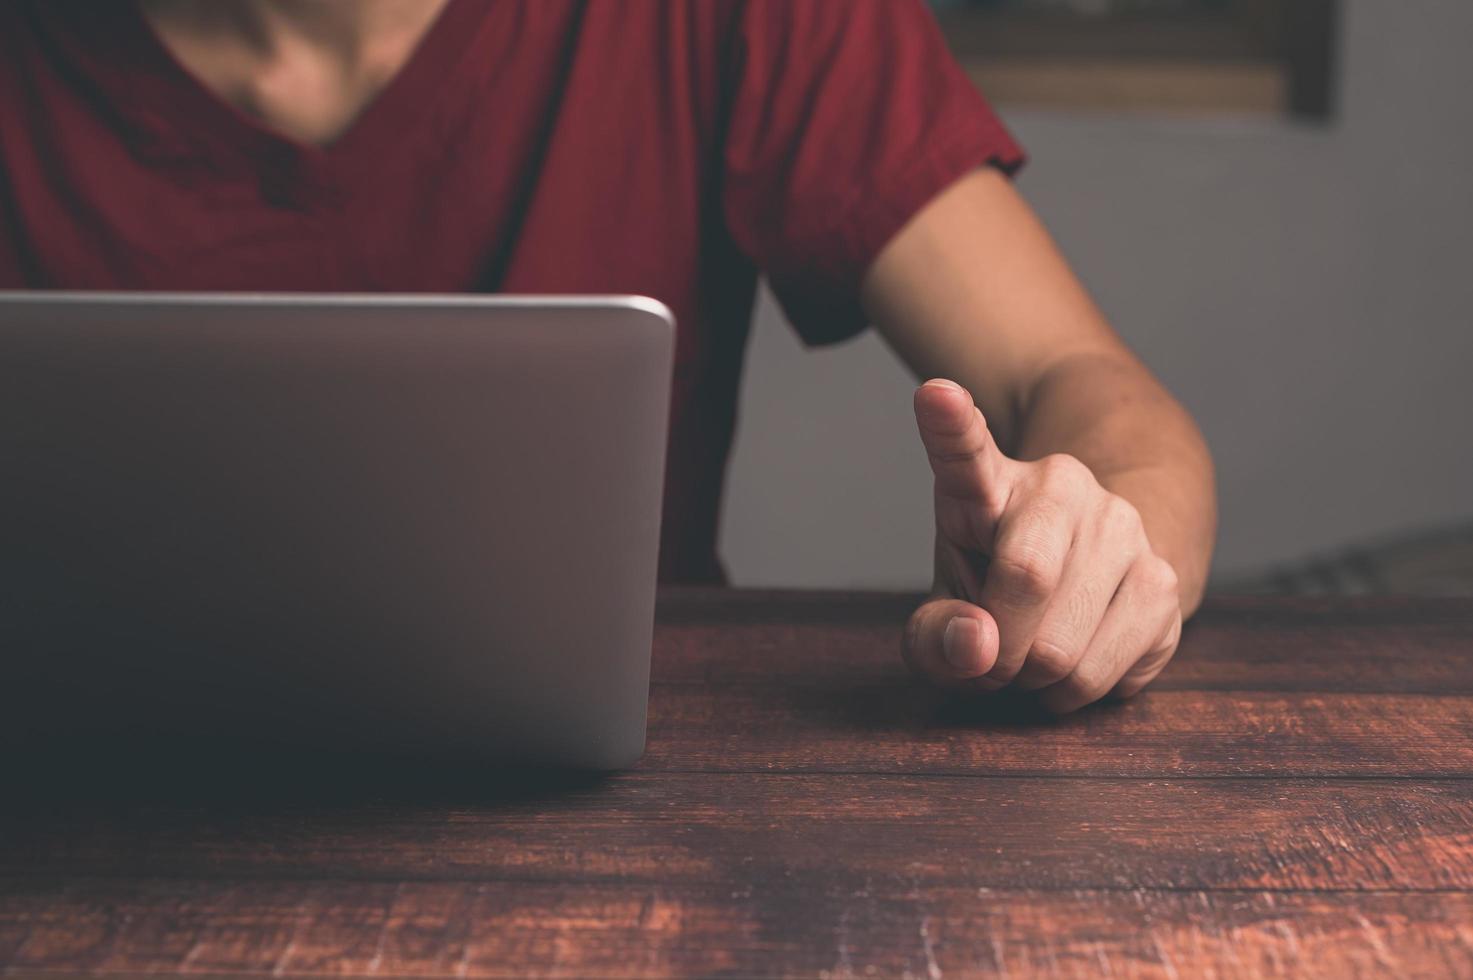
[[1296, 796], [711, 828], [786, 927], [904, 728]]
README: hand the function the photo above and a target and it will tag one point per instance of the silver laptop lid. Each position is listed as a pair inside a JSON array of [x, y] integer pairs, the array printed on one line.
[[415, 522]]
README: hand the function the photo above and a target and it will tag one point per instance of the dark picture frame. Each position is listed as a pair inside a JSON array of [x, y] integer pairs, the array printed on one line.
[[1256, 56]]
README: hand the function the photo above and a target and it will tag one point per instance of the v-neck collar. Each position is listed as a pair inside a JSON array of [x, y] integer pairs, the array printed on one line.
[[171, 111]]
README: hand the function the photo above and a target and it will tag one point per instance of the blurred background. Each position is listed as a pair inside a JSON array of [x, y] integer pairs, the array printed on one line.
[[1271, 201]]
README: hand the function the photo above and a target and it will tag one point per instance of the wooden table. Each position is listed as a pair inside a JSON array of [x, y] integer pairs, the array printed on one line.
[[1295, 794]]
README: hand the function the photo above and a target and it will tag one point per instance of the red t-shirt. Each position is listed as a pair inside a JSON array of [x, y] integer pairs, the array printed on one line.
[[537, 146]]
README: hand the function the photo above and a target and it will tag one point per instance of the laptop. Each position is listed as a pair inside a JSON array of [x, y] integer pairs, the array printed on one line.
[[395, 522]]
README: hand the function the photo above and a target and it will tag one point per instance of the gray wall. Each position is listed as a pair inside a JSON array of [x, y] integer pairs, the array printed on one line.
[[1307, 292]]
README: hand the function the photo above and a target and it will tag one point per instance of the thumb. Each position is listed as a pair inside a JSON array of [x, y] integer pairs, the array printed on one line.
[[949, 641]]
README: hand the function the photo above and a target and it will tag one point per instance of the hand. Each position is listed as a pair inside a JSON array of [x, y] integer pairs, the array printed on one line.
[[1044, 579]]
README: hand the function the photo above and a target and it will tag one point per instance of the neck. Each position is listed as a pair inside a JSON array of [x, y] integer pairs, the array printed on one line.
[[346, 29], [306, 68]]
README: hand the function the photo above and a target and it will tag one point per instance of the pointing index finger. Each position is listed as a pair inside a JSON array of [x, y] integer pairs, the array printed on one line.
[[964, 457]]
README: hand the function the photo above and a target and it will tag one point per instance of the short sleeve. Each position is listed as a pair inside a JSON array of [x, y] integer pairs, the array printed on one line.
[[845, 119]]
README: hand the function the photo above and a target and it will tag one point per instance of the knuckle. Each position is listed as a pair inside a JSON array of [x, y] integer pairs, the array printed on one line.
[[1064, 471], [1082, 687], [955, 474], [1039, 517], [1172, 640], [1004, 673], [1161, 578], [1025, 573], [1132, 686], [1121, 517], [1061, 466], [1051, 660], [1143, 673], [953, 457], [1152, 663]]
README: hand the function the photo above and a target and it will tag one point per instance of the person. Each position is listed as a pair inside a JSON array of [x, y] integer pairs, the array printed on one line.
[[674, 149]]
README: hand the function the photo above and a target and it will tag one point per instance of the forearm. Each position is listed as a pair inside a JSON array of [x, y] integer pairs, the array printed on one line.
[[1110, 413], [974, 290]]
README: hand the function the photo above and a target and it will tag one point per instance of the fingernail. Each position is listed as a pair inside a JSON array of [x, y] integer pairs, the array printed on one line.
[[943, 383], [959, 642]]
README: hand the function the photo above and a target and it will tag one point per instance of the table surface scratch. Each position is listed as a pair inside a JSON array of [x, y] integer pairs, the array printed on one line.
[[1295, 795]]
